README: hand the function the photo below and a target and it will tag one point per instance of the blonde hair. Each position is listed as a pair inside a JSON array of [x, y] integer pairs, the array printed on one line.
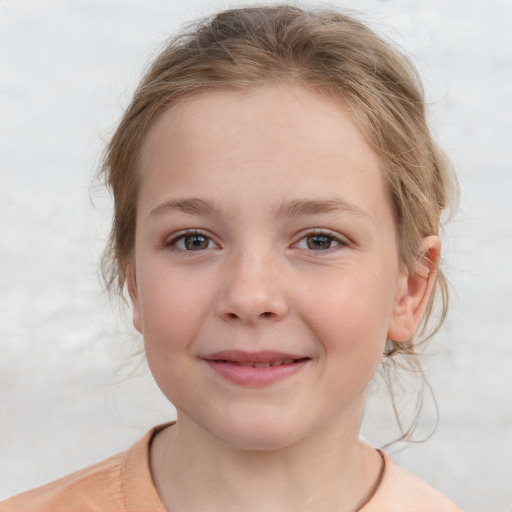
[[329, 52]]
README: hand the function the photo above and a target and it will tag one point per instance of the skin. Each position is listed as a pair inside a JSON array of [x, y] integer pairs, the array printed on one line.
[[259, 282]]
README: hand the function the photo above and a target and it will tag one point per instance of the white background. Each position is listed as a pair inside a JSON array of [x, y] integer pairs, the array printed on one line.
[[70, 393]]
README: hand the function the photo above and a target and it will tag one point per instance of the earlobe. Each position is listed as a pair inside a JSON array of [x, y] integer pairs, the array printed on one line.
[[131, 282], [414, 291]]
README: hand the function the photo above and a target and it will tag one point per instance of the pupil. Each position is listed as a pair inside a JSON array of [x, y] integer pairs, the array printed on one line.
[[319, 242], [193, 243]]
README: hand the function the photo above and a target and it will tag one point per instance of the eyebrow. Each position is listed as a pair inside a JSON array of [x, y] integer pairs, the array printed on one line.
[[297, 207], [315, 206], [193, 206]]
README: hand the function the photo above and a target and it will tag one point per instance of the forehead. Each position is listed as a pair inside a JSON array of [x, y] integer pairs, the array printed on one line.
[[295, 141], [226, 116]]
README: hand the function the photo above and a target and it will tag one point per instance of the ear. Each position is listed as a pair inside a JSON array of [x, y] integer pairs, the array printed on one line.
[[414, 291], [131, 281]]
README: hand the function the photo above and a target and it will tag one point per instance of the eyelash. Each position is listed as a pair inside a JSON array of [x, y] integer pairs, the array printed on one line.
[[178, 237], [333, 237]]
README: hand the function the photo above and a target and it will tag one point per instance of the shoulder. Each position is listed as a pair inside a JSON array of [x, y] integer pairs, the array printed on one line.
[[122, 482], [84, 490], [400, 491]]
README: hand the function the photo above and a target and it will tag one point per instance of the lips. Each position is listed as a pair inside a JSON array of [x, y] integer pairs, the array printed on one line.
[[255, 368], [262, 365]]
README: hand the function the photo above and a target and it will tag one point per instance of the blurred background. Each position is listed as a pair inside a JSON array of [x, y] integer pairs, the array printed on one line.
[[72, 388]]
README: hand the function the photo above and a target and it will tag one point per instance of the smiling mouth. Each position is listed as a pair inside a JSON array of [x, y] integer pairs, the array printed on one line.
[[254, 364], [255, 369]]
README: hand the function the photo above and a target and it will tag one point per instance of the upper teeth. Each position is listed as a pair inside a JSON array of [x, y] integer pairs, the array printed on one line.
[[266, 365]]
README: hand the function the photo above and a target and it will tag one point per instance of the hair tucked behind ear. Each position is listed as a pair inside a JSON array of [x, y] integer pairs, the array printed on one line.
[[325, 51]]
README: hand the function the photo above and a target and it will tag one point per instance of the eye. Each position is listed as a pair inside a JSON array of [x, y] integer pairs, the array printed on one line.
[[191, 242], [319, 242], [194, 242]]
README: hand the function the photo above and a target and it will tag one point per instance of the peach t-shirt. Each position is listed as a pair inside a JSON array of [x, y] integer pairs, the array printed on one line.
[[123, 483]]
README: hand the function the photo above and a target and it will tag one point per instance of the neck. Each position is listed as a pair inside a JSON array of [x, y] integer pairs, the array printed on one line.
[[329, 470]]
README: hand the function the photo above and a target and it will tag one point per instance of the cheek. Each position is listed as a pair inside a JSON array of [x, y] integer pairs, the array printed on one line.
[[350, 319], [171, 319], [353, 342], [172, 309], [351, 307]]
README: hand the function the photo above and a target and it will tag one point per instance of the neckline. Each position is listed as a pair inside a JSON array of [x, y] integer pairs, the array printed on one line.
[[378, 484], [146, 446]]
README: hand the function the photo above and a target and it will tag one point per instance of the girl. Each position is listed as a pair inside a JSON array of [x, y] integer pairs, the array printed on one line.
[[277, 205]]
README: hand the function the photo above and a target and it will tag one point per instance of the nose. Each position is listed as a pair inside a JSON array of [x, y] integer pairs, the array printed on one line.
[[252, 290]]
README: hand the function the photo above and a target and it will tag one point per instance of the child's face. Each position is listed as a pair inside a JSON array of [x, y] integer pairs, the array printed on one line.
[[264, 234]]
